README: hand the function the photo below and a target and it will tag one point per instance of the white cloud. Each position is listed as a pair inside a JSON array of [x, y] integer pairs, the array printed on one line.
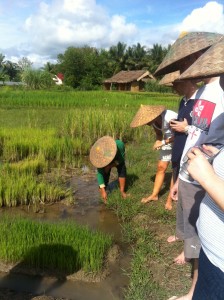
[[208, 18], [120, 30], [74, 23]]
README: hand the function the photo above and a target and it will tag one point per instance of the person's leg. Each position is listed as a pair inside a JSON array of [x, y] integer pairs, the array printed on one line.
[[122, 173], [160, 174], [192, 197], [180, 229], [168, 204]]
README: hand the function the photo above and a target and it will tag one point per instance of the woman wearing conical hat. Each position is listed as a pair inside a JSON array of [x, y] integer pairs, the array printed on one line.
[[105, 154], [159, 118]]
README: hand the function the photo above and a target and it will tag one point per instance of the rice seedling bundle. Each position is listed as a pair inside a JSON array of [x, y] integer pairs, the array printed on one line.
[[22, 186], [65, 246]]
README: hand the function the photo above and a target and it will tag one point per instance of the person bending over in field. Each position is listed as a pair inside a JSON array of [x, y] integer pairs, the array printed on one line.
[[105, 154]]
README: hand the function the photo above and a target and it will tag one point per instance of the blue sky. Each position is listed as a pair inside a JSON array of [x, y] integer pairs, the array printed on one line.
[[40, 30]]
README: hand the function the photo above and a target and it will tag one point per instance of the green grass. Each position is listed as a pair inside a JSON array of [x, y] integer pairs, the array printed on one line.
[[146, 227]]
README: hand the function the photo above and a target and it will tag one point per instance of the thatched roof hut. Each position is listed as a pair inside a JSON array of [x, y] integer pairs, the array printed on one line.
[[128, 80]]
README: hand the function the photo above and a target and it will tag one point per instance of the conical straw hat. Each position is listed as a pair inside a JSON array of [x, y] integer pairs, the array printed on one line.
[[146, 114], [211, 63], [184, 46], [168, 79], [103, 152]]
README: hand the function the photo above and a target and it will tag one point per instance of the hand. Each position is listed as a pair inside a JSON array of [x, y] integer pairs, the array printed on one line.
[[178, 125], [158, 144], [208, 148], [174, 190], [198, 166], [103, 194]]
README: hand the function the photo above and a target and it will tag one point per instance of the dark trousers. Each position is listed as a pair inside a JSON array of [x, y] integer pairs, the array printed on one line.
[[210, 283]]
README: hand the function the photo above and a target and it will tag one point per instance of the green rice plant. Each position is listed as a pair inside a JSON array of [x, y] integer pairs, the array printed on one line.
[[20, 144], [100, 99], [21, 186], [34, 166], [64, 247], [89, 125]]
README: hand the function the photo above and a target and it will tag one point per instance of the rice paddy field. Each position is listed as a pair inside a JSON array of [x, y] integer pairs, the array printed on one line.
[[41, 130]]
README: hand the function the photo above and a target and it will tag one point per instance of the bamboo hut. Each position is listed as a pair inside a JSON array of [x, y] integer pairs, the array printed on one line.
[[133, 81]]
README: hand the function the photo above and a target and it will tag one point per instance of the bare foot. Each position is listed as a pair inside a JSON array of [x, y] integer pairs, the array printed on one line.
[[180, 259], [125, 195], [150, 198], [168, 206], [172, 238]]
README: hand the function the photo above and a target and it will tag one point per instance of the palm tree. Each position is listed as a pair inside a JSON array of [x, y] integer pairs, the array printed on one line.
[[118, 57], [49, 67], [137, 57], [157, 54], [11, 69]]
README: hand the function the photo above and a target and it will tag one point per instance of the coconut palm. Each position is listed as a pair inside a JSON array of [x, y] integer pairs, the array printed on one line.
[[156, 54], [118, 57]]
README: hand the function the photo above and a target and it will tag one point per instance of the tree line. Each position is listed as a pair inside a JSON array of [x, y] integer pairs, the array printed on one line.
[[85, 67]]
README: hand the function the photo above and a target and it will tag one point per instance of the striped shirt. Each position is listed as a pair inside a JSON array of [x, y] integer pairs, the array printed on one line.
[[210, 223]]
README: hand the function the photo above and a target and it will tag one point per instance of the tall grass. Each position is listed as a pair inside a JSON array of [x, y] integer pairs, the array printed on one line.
[[63, 247]]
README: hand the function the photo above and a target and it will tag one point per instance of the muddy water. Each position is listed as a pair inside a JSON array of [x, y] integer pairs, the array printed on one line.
[[88, 210]]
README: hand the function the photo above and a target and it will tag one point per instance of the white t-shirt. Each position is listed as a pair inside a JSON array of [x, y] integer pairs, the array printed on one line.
[[167, 115], [207, 119], [210, 223]]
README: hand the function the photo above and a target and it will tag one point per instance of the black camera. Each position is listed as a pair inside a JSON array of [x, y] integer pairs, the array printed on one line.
[[184, 172]]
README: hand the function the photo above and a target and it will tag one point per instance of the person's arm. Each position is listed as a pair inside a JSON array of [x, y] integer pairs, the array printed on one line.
[[101, 183], [174, 190], [202, 171], [159, 139], [103, 193]]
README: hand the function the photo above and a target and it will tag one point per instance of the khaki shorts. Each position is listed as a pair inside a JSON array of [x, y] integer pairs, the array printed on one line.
[[189, 200]]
